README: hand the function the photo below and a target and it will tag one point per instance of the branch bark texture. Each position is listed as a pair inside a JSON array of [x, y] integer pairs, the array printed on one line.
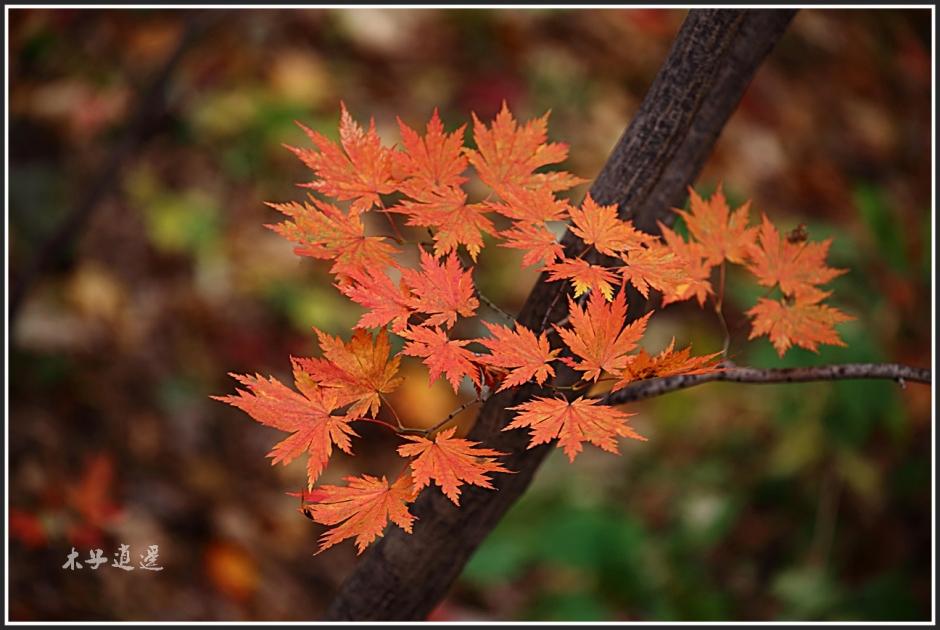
[[715, 55]]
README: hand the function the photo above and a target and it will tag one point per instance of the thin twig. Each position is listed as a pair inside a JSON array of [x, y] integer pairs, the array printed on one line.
[[658, 386], [453, 414], [493, 306]]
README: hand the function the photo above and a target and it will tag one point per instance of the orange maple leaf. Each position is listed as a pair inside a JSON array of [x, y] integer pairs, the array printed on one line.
[[434, 162], [359, 371], [450, 462], [583, 420], [443, 291], [441, 355], [723, 233], [538, 242], [601, 227], [508, 154], [362, 509], [535, 205], [455, 222], [802, 322], [307, 417], [798, 267], [328, 233], [360, 169], [527, 356], [669, 362], [691, 267], [388, 302], [583, 275], [598, 335]]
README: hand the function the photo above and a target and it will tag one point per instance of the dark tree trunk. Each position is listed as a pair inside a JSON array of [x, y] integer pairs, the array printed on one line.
[[715, 55]]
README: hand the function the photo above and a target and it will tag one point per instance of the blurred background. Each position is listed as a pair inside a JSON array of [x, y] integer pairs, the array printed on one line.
[[157, 277]]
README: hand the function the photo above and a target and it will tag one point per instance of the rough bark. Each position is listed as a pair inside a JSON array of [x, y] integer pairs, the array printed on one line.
[[711, 62]]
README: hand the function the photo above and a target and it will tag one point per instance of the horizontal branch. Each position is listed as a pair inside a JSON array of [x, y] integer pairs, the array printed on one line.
[[658, 386]]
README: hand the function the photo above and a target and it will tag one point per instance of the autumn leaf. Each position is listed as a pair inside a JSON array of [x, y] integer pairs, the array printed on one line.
[[307, 417], [583, 420], [520, 351], [454, 221], [508, 154], [601, 227], [443, 290], [536, 240], [362, 509], [530, 205], [655, 266], [583, 275], [359, 170], [723, 233], [691, 266], [359, 371], [803, 322], [598, 336], [386, 301], [669, 362], [450, 462], [441, 355], [324, 231], [434, 162], [798, 267]]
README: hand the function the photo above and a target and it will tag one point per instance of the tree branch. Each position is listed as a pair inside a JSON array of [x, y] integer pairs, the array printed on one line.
[[658, 386], [711, 62]]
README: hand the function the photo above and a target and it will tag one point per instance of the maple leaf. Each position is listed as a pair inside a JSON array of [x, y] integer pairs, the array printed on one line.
[[530, 205], [538, 242], [360, 371], [803, 322], [583, 420], [441, 355], [601, 227], [508, 154], [450, 462], [328, 233], [583, 275], [359, 170], [307, 417], [455, 222], [723, 233], [443, 291], [691, 267], [798, 267], [434, 162], [527, 356], [388, 302], [669, 362], [655, 266], [362, 509], [598, 335]]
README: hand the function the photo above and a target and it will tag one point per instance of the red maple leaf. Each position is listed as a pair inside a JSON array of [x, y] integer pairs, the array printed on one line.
[[601, 227], [441, 355], [526, 356], [455, 222], [598, 336], [359, 371], [435, 162], [450, 462], [583, 275], [324, 231], [362, 509], [388, 302], [443, 291], [536, 240], [583, 420], [360, 169], [669, 362], [308, 418]]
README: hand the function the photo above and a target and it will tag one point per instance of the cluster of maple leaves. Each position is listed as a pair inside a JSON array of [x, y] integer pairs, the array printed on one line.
[[424, 180]]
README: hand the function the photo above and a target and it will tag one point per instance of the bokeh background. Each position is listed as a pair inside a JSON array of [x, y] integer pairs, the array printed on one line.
[[747, 502]]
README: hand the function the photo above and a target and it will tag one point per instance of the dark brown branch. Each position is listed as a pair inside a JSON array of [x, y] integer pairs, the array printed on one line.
[[711, 62], [659, 386]]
